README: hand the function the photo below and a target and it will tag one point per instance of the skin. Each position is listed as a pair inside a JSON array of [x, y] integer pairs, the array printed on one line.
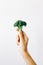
[[22, 42]]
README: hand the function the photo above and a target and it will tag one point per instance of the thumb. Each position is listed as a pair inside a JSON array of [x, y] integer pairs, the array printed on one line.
[[21, 35]]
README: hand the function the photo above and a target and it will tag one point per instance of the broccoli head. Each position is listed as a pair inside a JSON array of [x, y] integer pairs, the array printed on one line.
[[20, 24]]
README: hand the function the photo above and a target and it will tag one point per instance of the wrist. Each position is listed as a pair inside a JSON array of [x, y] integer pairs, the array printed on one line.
[[24, 52]]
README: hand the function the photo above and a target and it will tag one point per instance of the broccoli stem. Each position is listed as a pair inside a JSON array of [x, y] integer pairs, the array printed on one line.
[[20, 28]]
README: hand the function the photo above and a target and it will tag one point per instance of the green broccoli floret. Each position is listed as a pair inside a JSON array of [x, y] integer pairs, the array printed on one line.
[[20, 24]]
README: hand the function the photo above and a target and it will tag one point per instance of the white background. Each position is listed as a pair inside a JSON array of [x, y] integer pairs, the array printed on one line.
[[32, 12]]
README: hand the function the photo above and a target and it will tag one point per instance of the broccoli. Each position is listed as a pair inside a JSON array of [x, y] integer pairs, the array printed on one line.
[[20, 24]]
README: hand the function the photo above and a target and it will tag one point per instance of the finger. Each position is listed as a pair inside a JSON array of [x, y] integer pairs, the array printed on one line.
[[21, 38], [26, 38], [21, 35], [24, 34], [18, 40], [17, 29]]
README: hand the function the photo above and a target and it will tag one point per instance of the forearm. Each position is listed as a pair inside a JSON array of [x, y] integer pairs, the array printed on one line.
[[28, 59]]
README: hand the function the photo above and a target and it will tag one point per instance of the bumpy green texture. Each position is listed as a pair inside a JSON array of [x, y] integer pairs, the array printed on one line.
[[20, 24]]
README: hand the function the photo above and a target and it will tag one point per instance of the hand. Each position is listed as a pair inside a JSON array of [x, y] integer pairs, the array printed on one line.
[[22, 40]]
